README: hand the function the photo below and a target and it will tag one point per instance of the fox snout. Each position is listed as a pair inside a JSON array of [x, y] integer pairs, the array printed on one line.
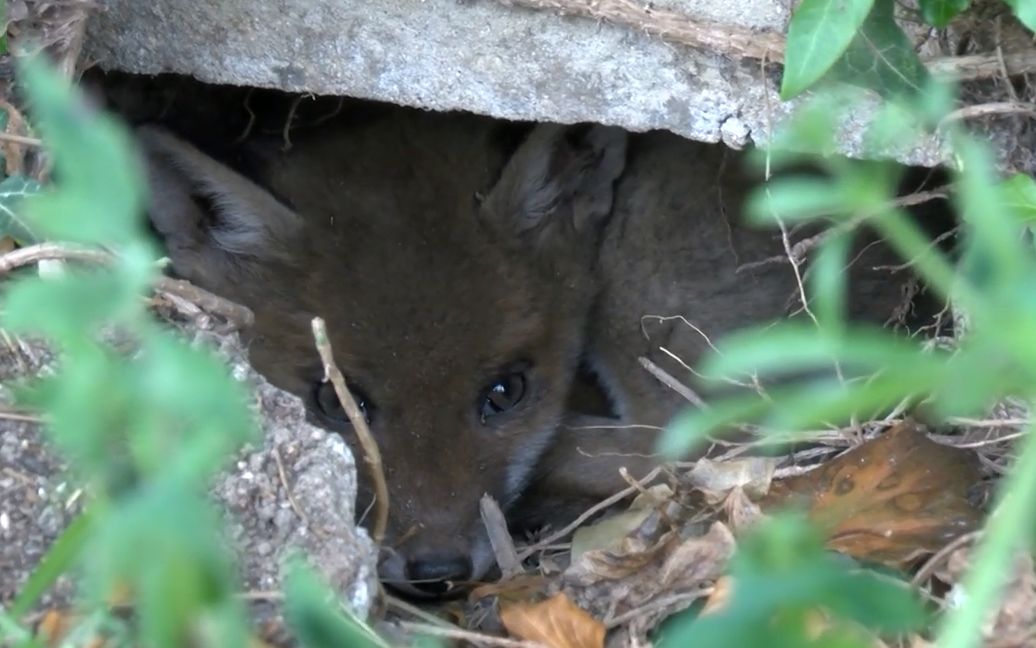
[[435, 566]]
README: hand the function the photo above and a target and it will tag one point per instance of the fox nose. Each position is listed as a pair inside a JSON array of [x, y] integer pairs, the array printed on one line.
[[436, 574]]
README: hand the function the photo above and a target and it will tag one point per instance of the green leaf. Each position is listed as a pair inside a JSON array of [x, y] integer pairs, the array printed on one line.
[[691, 428], [76, 305], [828, 281], [12, 191], [940, 12], [795, 198], [315, 620], [1018, 194], [1025, 10], [819, 33], [881, 57], [61, 555], [797, 346], [100, 183]]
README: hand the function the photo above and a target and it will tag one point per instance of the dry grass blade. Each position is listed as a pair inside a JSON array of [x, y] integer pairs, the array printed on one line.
[[363, 434], [499, 537], [589, 513]]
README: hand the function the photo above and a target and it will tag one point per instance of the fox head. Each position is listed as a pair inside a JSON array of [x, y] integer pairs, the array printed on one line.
[[455, 278]]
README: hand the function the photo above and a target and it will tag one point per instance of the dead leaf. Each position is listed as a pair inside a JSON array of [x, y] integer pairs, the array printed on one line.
[[890, 499], [13, 152], [556, 622], [1014, 622], [55, 626], [720, 597], [715, 479], [607, 534], [741, 511]]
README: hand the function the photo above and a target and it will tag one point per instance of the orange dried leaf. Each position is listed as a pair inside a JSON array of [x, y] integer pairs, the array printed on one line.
[[556, 622], [890, 499]]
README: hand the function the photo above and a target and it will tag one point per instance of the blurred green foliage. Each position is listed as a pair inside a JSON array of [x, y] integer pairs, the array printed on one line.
[[781, 577], [147, 433], [993, 286], [144, 429]]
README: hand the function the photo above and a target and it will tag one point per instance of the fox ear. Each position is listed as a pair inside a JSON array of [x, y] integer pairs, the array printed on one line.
[[213, 220], [560, 177]]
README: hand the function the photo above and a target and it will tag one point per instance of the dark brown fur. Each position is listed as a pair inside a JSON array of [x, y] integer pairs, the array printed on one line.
[[438, 264]]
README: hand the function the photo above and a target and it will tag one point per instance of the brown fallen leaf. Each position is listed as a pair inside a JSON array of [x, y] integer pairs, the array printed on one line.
[[13, 152], [890, 499], [720, 597], [556, 622], [716, 479]]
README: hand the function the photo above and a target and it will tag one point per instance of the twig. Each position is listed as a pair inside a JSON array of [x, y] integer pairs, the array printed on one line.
[[238, 315], [403, 606], [672, 383], [984, 66], [928, 568], [47, 252], [371, 454], [986, 109], [19, 416], [586, 515], [466, 635], [499, 538], [673, 26], [21, 139], [283, 475], [661, 603]]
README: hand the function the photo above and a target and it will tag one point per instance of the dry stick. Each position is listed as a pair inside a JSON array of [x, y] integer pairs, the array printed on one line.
[[928, 569], [734, 41], [994, 108], [587, 514], [466, 635], [22, 417], [657, 605], [499, 538], [984, 66], [236, 314], [47, 252], [239, 316], [21, 139], [672, 383], [363, 434]]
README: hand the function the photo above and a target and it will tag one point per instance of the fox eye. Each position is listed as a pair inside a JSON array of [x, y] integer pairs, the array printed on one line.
[[502, 394], [329, 405]]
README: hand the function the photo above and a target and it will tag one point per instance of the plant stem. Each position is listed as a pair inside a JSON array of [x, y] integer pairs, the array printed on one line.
[[1006, 531]]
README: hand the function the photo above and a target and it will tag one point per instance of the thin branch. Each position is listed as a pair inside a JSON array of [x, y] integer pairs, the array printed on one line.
[[587, 514], [986, 109], [239, 316], [476, 638], [984, 66], [21, 139], [672, 383], [359, 423]]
